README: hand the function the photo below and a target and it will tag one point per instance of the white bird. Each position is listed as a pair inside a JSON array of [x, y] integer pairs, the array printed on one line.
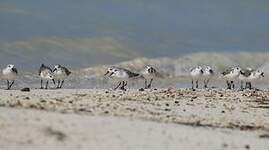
[[196, 74], [46, 74], [249, 76], [60, 74], [208, 74], [10, 73], [230, 75], [122, 75], [149, 73]]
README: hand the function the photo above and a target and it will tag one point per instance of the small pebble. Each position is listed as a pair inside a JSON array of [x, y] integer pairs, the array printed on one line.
[[25, 89], [141, 89]]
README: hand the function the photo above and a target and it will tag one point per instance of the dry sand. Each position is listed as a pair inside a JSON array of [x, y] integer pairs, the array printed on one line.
[[151, 119]]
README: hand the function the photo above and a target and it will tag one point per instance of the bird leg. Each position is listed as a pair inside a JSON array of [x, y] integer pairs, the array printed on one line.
[[192, 86], [47, 83], [117, 86], [41, 84], [11, 84], [123, 85], [58, 84], [146, 84], [62, 84], [228, 84], [205, 83], [232, 84], [7, 85], [197, 86], [149, 85], [241, 86]]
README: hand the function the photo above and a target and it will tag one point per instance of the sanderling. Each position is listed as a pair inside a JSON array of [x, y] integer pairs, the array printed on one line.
[[244, 74], [121, 74], [196, 74], [249, 76], [208, 73], [230, 75], [10, 73], [149, 73], [60, 74], [45, 73]]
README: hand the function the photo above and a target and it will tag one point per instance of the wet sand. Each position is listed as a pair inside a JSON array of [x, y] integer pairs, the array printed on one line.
[[150, 119]]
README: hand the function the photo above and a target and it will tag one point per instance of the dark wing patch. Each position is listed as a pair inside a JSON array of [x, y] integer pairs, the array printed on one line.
[[42, 68], [211, 71], [15, 70], [246, 73], [131, 74], [67, 72], [227, 71]]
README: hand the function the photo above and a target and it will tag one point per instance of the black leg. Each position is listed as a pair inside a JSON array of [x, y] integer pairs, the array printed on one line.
[[241, 86], [149, 86], [62, 84], [11, 84], [7, 85], [228, 84], [192, 86], [123, 85], [205, 83], [47, 83], [247, 85], [250, 86], [117, 86], [53, 82], [146, 84], [58, 84], [41, 84], [232, 85], [197, 86]]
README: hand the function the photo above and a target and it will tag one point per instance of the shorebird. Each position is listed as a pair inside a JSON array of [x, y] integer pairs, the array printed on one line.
[[149, 73], [244, 74], [249, 76], [208, 73], [10, 73], [196, 74], [230, 75], [121, 74], [60, 74], [45, 73]]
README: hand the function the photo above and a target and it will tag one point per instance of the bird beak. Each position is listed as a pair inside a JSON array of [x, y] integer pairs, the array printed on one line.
[[262, 74], [106, 73], [111, 74]]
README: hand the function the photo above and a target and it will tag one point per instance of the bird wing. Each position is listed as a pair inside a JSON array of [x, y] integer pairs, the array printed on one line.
[[246, 72], [66, 71], [15, 70], [227, 71], [130, 73]]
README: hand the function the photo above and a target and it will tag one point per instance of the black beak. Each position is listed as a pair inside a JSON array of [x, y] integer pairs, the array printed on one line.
[[106, 73], [111, 74]]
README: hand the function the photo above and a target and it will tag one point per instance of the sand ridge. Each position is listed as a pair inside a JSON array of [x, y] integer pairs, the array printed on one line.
[[245, 110]]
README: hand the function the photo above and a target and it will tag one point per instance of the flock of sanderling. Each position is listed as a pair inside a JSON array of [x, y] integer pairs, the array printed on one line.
[[59, 73], [197, 74], [205, 74], [230, 75]]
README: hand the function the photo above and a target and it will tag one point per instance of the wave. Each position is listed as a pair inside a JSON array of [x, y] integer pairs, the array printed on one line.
[[173, 67]]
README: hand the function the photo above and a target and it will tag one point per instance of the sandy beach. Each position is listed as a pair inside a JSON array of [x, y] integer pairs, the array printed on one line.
[[150, 119]]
